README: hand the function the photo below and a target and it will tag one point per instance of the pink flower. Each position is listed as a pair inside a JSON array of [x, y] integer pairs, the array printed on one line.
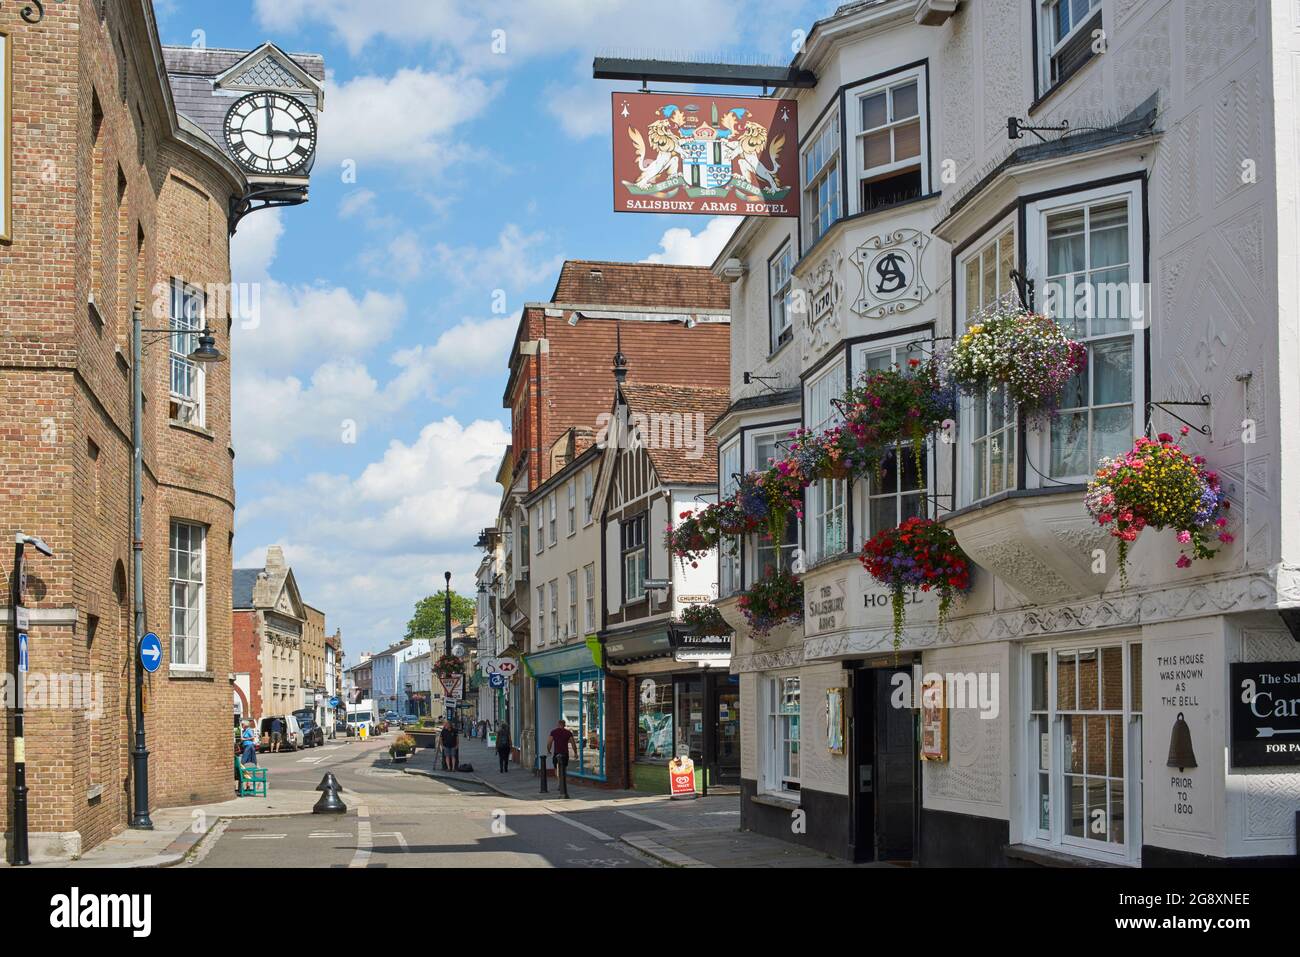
[[1221, 522], [1165, 437], [1184, 430], [1184, 537], [1226, 538], [1105, 518], [1183, 561]]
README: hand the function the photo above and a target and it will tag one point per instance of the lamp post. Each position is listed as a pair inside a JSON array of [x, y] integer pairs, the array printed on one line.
[[19, 625], [446, 618], [205, 351]]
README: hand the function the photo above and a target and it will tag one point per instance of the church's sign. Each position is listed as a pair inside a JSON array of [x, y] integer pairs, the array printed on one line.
[[891, 267]]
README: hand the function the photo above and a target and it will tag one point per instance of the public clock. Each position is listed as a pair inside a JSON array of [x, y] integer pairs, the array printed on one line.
[[270, 133]]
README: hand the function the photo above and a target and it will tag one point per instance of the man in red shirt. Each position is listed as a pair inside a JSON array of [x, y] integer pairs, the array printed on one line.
[[560, 741]]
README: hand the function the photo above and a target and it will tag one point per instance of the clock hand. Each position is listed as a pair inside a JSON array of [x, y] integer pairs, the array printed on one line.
[[270, 126]]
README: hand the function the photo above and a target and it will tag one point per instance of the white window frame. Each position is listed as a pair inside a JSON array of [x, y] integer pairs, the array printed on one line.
[[1054, 837], [589, 596], [196, 602], [540, 544], [780, 282], [827, 499], [1049, 48], [853, 98], [822, 181], [1036, 266], [970, 458], [729, 465], [554, 589], [638, 555], [572, 490], [755, 548], [541, 614], [588, 493], [187, 379], [864, 492], [552, 520], [776, 737], [573, 603]]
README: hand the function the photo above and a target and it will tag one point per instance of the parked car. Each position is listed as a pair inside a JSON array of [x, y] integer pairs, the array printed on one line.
[[293, 738], [391, 716], [313, 735]]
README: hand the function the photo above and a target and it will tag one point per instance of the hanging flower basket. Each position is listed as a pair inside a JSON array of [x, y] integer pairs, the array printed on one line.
[[705, 620], [448, 666], [768, 499], [1027, 352], [1158, 485], [919, 554], [897, 406], [775, 599]]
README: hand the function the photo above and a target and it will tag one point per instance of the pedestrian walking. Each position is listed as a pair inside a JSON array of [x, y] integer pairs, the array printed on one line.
[[503, 749], [277, 734], [450, 746], [560, 741]]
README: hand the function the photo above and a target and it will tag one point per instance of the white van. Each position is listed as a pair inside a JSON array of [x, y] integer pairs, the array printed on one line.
[[361, 715], [292, 739]]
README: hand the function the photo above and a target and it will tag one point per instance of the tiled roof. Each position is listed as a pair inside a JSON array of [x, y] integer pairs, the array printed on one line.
[[241, 586], [591, 282], [679, 462]]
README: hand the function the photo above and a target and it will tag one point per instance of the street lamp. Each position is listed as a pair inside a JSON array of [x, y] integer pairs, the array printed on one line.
[[446, 622], [206, 351], [18, 627]]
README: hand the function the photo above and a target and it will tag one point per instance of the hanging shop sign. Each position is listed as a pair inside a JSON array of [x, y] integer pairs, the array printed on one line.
[[1265, 711], [692, 647], [891, 270], [711, 155]]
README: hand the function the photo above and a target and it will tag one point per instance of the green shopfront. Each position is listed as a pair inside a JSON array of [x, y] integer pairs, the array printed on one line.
[[570, 683]]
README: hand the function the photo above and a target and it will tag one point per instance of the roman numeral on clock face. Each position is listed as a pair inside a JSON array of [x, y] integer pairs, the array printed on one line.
[[270, 133]]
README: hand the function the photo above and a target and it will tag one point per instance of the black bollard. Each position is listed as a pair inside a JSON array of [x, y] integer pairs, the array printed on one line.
[[329, 802], [541, 761]]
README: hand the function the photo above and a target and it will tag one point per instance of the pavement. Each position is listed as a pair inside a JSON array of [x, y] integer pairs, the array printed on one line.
[[411, 814]]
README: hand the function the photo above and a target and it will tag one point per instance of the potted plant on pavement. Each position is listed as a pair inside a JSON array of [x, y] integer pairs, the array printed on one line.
[[402, 748]]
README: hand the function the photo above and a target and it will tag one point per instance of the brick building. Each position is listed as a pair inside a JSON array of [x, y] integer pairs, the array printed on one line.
[[117, 197], [671, 325], [269, 621]]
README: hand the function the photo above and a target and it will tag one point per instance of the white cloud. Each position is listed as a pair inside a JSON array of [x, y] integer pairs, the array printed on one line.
[[680, 247], [400, 120], [357, 202], [510, 264], [254, 246]]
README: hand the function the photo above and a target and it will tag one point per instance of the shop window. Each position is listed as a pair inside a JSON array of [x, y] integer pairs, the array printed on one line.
[[582, 706], [654, 719], [1085, 742], [1088, 255], [989, 419], [887, 119], [782, 746], [780, 276]]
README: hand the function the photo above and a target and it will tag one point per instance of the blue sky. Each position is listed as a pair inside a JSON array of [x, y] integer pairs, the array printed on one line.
[[389, 302]]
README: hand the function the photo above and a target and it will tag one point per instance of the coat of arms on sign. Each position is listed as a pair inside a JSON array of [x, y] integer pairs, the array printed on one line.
[[892, 281]]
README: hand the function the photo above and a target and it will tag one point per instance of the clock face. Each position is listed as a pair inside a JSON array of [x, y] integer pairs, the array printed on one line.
[[270, 133]]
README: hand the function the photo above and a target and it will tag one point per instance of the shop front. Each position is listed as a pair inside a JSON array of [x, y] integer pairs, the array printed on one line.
[[686, 703], [569, 683]]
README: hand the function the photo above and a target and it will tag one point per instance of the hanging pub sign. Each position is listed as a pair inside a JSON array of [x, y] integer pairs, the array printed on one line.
[[712, 155], [1265, 707]]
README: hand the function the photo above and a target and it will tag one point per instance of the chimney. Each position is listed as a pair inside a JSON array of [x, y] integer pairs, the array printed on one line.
[[274, 557]]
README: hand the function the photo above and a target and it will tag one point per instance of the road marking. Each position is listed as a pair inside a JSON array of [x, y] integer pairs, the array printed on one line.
[[598, 835], [264, 837], [316, 760], [364, 840], [396, 835], [329, 834], [649, 820]]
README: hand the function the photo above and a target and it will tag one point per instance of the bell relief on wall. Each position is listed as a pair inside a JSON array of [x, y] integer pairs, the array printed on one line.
[[891, 270]]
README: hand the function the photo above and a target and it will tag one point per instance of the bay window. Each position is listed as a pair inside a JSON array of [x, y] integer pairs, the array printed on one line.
[[729, 546], [899, 494], [1086, 250], [1084, 746], [765, 448], [827, 509], [889, 139], [989, 419], [821, 176]]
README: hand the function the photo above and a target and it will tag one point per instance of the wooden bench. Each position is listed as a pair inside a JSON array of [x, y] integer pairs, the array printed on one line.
[[252, 779]]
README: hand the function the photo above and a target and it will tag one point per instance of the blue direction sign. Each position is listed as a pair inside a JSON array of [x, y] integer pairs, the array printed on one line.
[[334, 702], [496, 680], [150, 652], [22, 653]]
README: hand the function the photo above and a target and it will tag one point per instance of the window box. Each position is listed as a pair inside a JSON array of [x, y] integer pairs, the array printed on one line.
[[1042, 543]]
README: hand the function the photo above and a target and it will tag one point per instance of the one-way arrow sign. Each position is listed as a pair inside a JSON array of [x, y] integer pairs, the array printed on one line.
[[150, 652]]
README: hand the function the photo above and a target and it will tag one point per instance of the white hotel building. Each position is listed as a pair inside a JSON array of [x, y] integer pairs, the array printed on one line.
[[1180, 175]]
